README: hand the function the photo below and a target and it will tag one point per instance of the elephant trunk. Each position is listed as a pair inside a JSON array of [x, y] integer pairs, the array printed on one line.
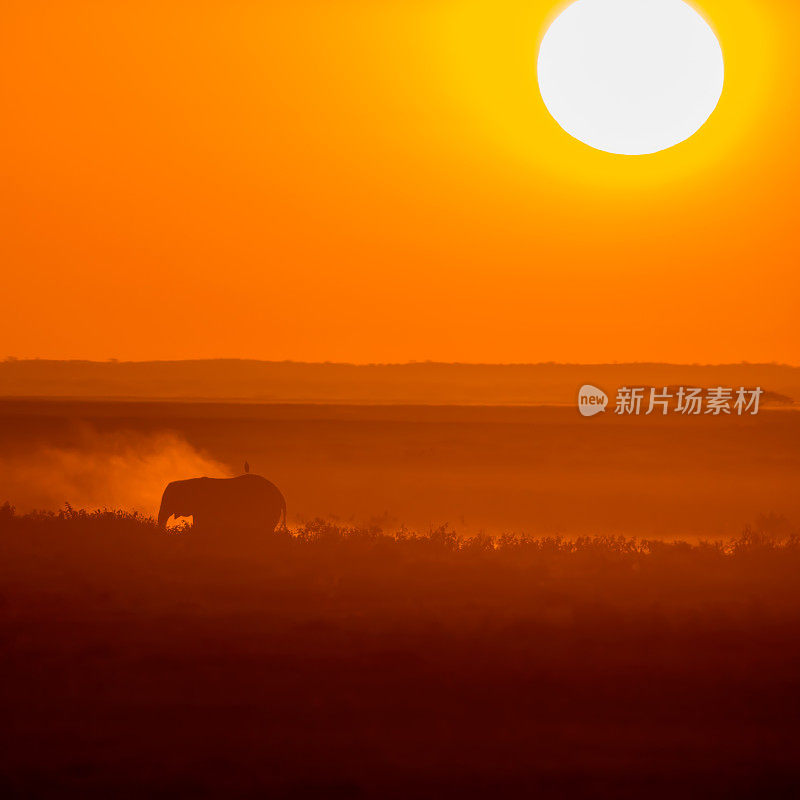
[[163, 515], [165, 509]]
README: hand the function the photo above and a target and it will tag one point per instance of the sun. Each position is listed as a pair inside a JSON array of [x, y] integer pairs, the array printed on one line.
[[630, 77]]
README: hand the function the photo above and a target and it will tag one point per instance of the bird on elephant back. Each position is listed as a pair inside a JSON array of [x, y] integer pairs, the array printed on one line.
[[245, 504]]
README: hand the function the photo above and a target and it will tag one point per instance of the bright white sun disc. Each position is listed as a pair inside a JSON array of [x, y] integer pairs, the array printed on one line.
[[630, 76]]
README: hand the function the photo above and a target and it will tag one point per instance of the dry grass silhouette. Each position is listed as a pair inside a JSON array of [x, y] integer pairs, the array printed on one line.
[[350, 662]]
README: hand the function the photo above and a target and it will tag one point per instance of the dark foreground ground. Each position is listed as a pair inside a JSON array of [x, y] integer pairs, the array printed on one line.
[[334, 665]]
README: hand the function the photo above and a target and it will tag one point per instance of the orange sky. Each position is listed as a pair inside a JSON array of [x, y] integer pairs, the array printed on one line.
[[378, 181]]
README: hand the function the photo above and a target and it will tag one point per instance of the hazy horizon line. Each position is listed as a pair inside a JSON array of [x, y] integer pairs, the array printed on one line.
[[410, 363]]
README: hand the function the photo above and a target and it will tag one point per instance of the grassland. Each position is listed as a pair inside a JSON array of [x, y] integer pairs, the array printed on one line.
[[541, 471], [352, 662]]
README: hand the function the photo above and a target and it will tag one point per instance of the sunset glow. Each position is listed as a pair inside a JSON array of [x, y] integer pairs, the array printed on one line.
[[370, 181], [399, 399]]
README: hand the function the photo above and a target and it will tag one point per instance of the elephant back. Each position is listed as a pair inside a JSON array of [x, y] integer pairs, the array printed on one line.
[[250, 502]]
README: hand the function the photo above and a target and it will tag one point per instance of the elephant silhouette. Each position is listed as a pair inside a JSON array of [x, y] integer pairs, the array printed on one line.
[[244, 503]]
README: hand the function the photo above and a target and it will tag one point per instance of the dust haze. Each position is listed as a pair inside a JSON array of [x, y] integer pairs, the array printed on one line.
[[538, 471], [99, 469]]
